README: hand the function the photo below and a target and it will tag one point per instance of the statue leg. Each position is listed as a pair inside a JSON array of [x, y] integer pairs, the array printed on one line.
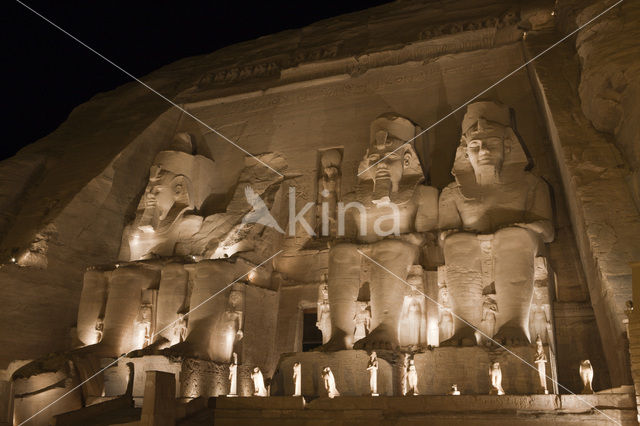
[[514, 251], [463, 261], [387, 291], [344, 282]]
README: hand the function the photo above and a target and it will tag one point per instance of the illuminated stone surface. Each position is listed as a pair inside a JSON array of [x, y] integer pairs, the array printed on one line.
[[533, 238]]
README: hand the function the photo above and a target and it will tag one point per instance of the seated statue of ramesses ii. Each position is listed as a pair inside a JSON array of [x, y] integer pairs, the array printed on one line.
[[494, 220], [390, 208]]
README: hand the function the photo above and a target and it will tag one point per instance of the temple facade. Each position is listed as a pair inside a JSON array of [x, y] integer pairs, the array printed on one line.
[[392, 204]]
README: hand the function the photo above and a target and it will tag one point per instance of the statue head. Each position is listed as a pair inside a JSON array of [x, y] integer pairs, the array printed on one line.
[[235, 299], [373, 355], [444, 294], [389, 157], [256, 370], [323, 292], [164, 190], [177, 181], [488, 143], [330, 161], [495, 366]]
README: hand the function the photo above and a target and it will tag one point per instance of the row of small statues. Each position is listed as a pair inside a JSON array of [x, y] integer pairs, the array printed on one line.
[[409, 377]]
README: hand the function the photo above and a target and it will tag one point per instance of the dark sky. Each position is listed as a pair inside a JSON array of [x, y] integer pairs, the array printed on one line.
[[46, 73]]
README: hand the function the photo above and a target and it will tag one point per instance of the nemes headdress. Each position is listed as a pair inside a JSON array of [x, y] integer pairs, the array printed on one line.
[[490, 118]]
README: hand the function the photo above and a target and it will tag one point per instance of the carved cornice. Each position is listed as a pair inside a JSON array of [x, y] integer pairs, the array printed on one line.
[[295, 63]]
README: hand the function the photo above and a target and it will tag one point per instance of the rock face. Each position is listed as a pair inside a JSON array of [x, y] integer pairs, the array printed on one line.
[[132, 213]]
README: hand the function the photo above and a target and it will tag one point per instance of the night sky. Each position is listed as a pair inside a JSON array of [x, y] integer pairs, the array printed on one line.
[[46, 73]]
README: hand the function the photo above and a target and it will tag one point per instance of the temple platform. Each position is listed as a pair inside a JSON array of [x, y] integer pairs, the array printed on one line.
[[598, 409], [438, 369]]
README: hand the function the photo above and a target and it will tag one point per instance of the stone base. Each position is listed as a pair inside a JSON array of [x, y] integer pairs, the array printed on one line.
[[438, 369], [433, 410]]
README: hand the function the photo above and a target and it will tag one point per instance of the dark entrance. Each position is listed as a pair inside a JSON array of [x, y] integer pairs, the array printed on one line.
[[311, 335]]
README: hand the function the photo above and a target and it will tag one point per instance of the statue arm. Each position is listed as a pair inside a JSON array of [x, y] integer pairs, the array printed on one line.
[[449, 220], [539, 213]]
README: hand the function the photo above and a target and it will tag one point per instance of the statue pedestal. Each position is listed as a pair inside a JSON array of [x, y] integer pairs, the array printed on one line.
[[438, 370]]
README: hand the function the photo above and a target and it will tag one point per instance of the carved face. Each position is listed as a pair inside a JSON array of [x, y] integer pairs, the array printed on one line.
[[163, 191], [390, 167], [324, 291], [486, 151], [235, 298], [331, 172]]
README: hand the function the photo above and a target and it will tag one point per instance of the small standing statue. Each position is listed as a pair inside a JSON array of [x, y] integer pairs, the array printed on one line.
[[258, 383], [99, 329], [412, 378], [628, 310], [324, 311], [495, 377], [586, 374], [362, 318], [445, 317], [373, 373], [541, 362], [233, 376], [403, 375], [540, 316], [328, 192], [330, 383], [488, 323], [454, 390], [180, 330], [297, 379], [143, 325]]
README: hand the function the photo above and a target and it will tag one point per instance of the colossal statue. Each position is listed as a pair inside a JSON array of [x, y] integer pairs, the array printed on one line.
[[494, 221], [385, 213], [166, 217]]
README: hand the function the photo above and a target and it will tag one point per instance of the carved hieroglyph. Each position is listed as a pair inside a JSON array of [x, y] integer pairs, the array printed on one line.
[[494, 220]]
